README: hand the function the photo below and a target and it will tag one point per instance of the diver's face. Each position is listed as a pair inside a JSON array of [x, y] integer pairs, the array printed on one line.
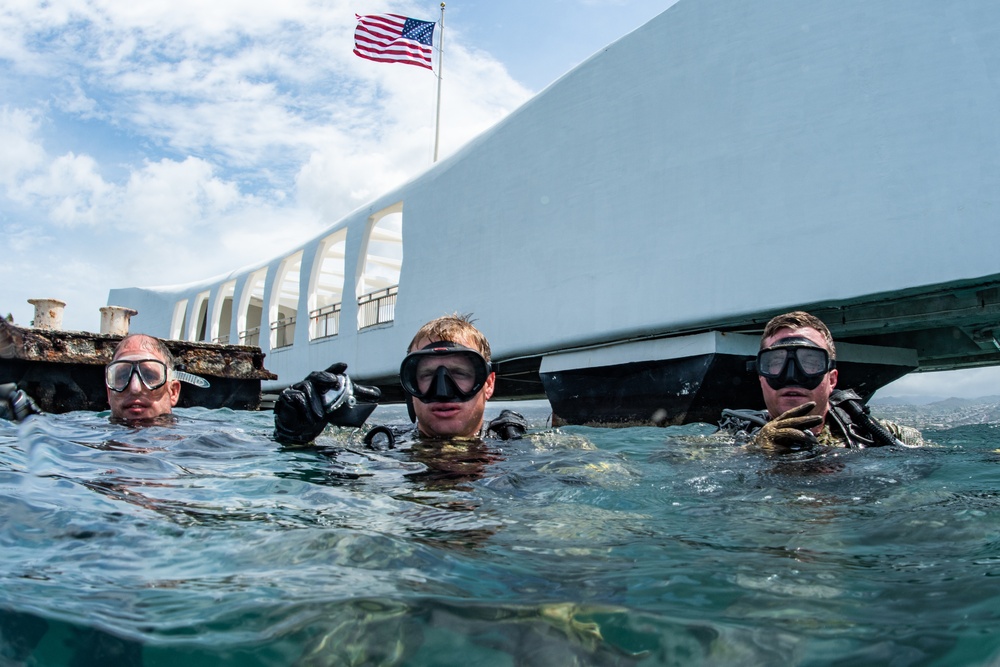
[[456, 419], [136, 402], [784, 399]]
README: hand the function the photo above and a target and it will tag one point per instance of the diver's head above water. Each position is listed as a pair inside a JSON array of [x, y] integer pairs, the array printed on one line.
[[140, 381], [448, 376], [796, 363]]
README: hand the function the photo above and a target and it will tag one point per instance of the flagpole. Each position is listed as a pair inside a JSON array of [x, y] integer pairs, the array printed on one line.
[[437, 119]]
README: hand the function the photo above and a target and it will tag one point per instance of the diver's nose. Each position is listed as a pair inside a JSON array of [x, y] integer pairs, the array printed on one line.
[[791, 379], [440, 388], [134, 382]]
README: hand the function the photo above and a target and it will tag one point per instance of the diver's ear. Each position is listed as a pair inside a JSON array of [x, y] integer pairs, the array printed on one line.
[[174, 388], [832, 377], [489, 385]]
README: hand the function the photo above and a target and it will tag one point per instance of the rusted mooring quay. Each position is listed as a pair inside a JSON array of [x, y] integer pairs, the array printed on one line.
[[64, 370]]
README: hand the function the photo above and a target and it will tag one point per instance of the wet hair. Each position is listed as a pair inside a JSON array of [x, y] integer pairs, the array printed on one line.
[[799, 320], [452, 328], [161, 349]]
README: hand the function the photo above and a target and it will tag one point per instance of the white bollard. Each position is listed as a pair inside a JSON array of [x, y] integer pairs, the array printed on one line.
[[115, 320], [48, 313]]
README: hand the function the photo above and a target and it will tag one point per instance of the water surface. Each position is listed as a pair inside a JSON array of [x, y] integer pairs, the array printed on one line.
[[206, 543]]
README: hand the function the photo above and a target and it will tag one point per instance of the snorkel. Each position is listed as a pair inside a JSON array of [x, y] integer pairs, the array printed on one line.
[[190, 378]]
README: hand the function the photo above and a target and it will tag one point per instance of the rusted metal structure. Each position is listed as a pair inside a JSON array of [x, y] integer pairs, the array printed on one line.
[[64, 370]]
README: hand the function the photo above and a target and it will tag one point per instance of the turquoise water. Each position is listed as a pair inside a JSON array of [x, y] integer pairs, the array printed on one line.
[[206, 543]]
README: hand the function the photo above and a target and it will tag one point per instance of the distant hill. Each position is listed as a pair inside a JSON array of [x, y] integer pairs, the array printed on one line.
[[965, 402], [905, 400], [934, 401]]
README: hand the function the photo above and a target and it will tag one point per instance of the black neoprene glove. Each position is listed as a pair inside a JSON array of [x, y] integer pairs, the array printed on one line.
[[15, 404], [324, 397], [788, 432], [509, 425]]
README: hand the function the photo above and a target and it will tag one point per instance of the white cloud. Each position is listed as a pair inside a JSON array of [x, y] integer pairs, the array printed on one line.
[[175, 196], [21, 152], [70, 188], [75, 101], [161, 142]]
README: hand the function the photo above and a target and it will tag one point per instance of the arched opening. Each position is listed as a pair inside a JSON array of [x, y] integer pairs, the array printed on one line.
[[326, 288], [379, 280], [222, 318], [179, 320], [285, 302], [252, 308], [199, 332]]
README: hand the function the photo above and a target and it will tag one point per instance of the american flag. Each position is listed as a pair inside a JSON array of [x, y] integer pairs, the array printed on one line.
[[391, 38]]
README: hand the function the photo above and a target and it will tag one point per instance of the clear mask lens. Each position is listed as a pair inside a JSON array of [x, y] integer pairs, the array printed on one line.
[[152, 374], [794, 362], [810, 360], [460, 368]]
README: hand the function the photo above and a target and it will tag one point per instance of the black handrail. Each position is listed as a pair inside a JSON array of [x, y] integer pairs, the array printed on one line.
[[322, 319], [377, 307]]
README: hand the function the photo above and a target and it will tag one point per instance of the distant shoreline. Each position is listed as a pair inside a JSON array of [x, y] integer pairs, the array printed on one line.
[[940, 401]]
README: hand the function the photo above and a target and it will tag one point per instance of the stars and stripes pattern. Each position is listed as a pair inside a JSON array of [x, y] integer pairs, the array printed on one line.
[[391, 38]]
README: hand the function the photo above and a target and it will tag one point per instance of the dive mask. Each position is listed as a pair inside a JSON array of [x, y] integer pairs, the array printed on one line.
[[444, 372], [794, 361], [152, 374]]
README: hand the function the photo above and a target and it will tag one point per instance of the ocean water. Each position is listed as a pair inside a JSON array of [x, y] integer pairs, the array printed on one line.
[[206, 543]]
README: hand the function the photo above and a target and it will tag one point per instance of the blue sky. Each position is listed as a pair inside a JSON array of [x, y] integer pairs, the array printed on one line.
[[161, 142]]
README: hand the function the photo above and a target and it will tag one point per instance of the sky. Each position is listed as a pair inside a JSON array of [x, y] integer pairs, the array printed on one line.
[[163, 142]]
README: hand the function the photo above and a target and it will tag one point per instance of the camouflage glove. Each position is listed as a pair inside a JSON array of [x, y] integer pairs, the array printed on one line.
[[788, 432], [324, 397], [509, 425], [15, 405]]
